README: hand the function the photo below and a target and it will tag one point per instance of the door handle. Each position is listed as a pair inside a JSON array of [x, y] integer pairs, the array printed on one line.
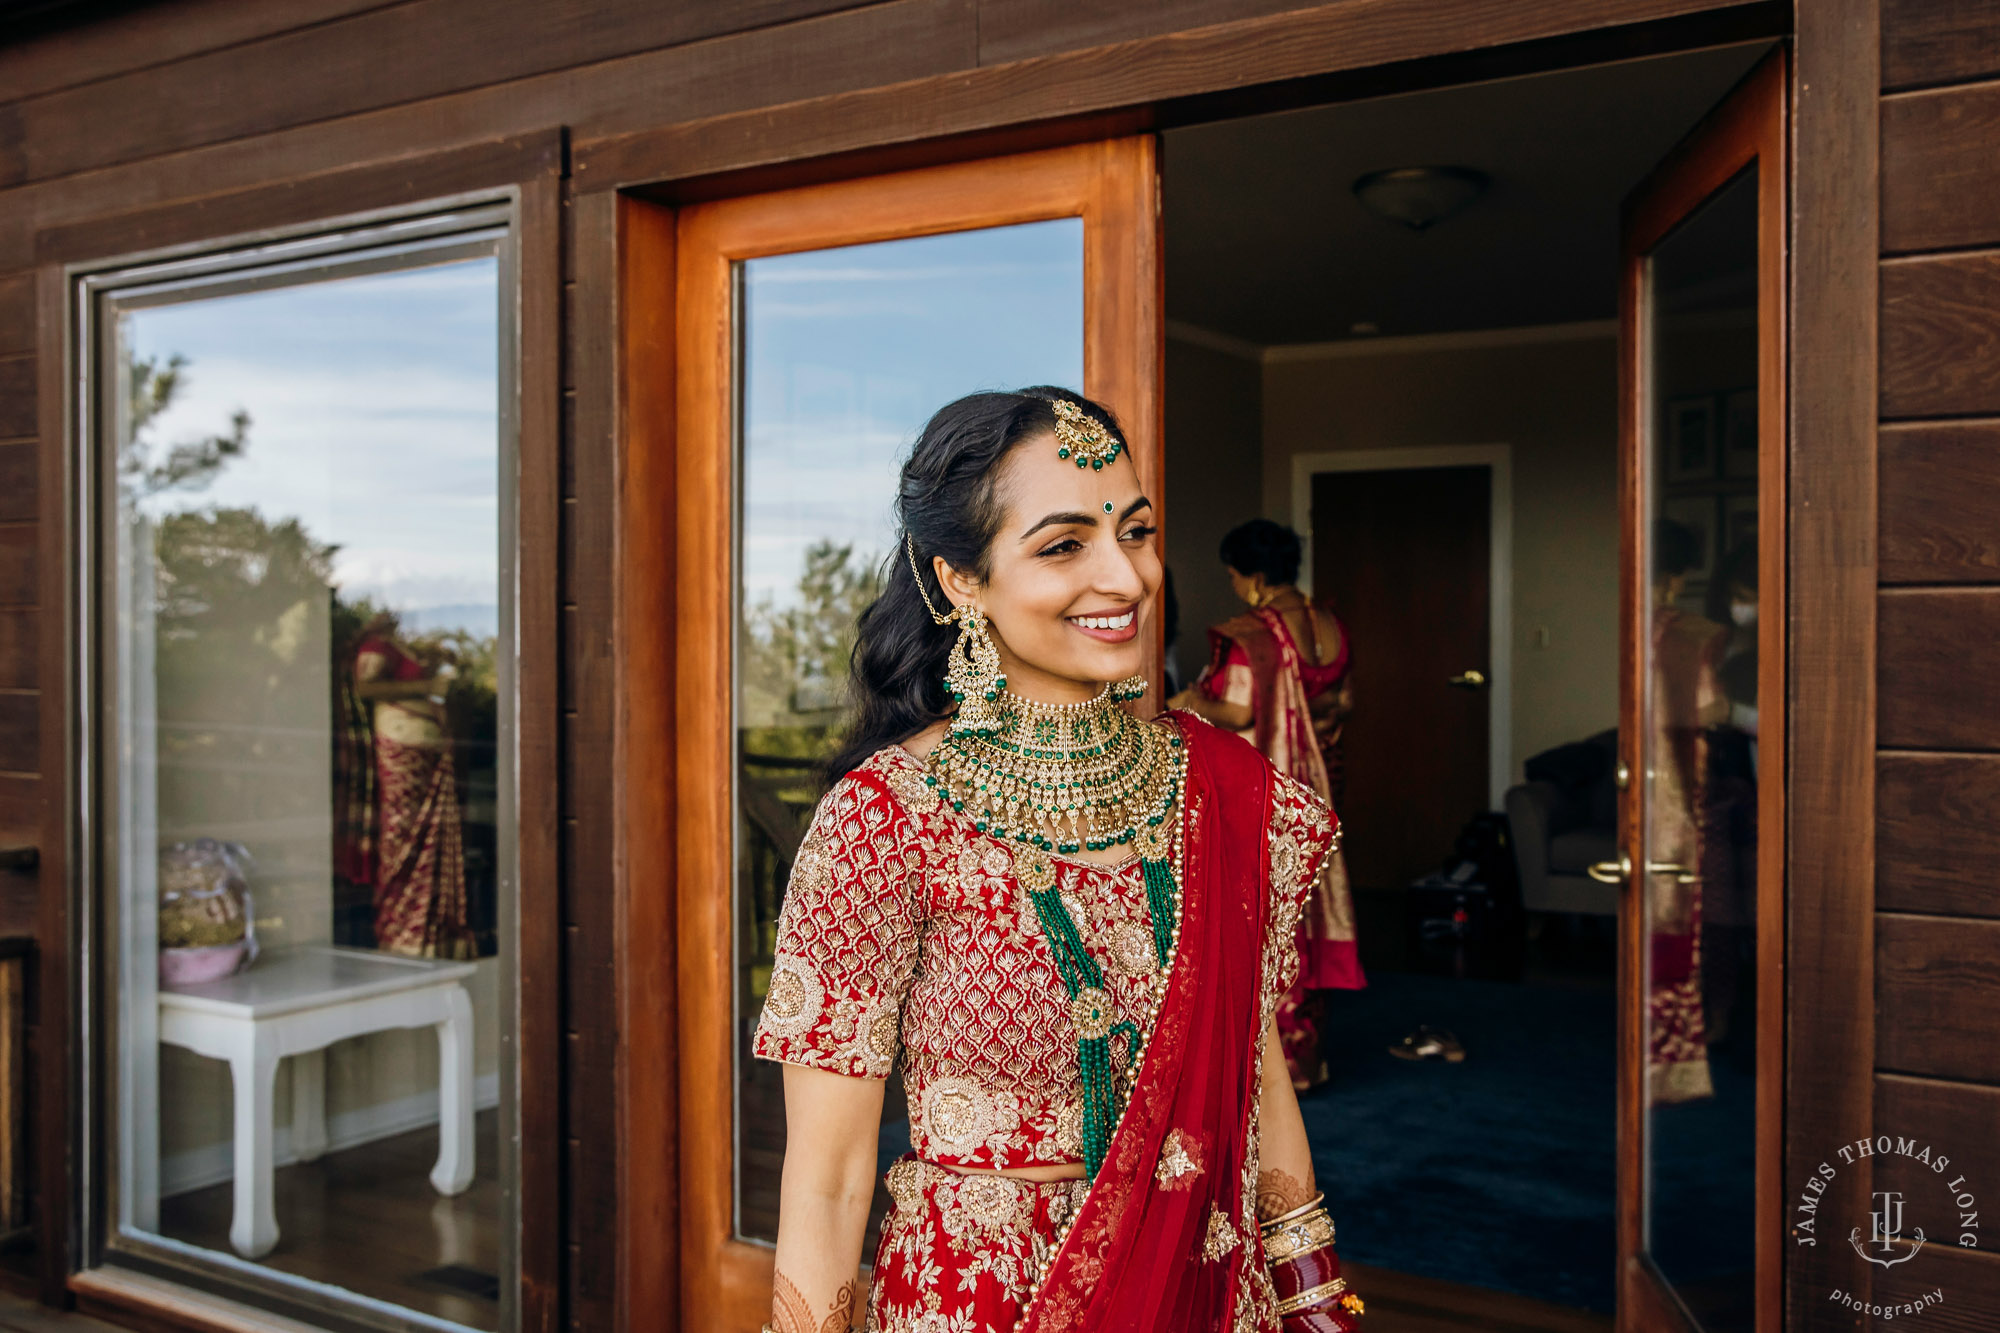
[[1469, 680], [1617, 872]]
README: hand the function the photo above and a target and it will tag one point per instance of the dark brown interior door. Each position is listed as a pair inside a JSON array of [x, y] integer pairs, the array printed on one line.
[[1701, 722], [1402, 557]]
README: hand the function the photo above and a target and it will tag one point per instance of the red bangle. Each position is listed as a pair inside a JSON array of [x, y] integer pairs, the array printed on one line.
[[1312, 1296]]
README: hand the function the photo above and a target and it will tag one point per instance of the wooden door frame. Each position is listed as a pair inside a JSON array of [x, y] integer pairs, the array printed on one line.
[[1748, 126], [1498, 460], [678, 346]]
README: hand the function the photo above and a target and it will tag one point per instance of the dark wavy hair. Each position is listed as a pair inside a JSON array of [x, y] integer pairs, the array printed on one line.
[[1263, 547], [947, 505]]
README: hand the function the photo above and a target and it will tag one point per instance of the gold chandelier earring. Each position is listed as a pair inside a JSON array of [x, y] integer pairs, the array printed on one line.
[[973, 675]]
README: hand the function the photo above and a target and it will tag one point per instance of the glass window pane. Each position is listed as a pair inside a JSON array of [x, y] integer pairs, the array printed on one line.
[[845, 354], [1699, 885], [302, 603]]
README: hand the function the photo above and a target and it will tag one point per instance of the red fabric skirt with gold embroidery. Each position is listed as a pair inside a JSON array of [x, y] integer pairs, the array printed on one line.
[[963, 1253]]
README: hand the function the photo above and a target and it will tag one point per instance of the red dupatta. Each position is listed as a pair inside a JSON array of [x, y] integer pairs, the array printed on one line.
[[1134, 1260]]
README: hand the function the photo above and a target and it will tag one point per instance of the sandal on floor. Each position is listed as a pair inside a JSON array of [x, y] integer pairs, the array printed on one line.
[[1429, 1043]]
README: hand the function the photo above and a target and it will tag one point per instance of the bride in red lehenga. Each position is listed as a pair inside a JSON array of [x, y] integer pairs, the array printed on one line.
[[1069, 927]]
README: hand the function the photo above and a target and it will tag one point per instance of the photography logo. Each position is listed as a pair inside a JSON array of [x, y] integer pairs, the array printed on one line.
[[1911, 1183]]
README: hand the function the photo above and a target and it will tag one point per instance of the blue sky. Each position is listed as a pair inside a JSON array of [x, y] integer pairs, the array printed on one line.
[[374, 405], [373, 399], [847, 352]]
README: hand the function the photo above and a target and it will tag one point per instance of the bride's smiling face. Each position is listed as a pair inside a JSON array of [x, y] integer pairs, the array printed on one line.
[[1072, 573]]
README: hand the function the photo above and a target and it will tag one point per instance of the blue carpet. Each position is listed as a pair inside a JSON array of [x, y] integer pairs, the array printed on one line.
[[1498, 1171]]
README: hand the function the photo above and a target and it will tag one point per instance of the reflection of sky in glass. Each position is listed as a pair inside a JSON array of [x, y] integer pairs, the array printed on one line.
[[847, 353], [373, 405]]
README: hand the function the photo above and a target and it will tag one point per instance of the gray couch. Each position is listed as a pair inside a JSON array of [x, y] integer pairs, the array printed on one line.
[[1565, 819]]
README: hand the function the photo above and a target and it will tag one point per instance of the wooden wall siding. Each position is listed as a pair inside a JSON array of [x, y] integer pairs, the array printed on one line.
[[1940, 179], [869, 47], [20, 731], [381, 57], [1938, 41], [153, 34], [1941, 335], [1940, 506], [17, 313], [1938, 994], [1937, 834], [19, 648], [1021, 29], [1937, 814], [1231, 53], [17, 397], [17, 565], [1937, 674], [1936, 1112], [17, 482]]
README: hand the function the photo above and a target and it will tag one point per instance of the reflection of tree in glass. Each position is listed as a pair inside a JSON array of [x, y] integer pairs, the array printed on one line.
[[793, 683], [189, 465], [239, 652], [795, 656], [234, 563]]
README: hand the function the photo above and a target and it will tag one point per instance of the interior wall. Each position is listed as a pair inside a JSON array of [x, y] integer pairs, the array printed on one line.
[[1554, 401], [1215, 470]]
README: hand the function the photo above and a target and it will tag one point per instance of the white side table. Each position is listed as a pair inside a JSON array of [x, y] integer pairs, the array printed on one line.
[[297, 1002]]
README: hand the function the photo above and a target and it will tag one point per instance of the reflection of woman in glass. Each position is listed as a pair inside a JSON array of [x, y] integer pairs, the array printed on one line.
[[1069, 926], [415, 859], [1729, 808], [1687, 699], [1279, 677]]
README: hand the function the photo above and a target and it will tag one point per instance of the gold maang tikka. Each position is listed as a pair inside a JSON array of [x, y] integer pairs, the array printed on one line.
[[972, 675], [1083, 437]]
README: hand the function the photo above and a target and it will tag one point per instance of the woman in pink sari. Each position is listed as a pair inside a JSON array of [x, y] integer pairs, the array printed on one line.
[[1278, 676], [1067, 926]]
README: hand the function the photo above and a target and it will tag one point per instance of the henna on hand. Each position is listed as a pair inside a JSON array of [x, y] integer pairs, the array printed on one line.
[[1279, 1192], [790, 1312]]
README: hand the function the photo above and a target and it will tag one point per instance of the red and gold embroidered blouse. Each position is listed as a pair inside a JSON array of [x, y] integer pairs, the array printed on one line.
[[906, 935]]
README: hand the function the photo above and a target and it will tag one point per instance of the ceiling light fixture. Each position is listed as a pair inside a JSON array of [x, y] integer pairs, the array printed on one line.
[[1420, 197]]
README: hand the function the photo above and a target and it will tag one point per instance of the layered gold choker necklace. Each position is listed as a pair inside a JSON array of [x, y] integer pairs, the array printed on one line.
[[1061, 777]]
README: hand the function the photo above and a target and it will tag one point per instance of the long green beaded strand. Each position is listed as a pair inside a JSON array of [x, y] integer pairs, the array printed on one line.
[[1090, 1003]]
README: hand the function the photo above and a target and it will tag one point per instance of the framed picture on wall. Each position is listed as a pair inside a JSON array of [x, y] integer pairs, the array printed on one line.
[[1691, 438], [1739, 434], [1696, 513]]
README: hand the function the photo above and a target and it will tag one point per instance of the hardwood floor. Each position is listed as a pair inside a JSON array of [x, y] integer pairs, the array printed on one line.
[[18, 1314], [367, 1219], [1400, 1303]]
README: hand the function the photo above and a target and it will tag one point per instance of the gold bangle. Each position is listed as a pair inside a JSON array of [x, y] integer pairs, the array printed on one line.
[[1291, 1239], [1311, 1296], [1306, 1207]]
